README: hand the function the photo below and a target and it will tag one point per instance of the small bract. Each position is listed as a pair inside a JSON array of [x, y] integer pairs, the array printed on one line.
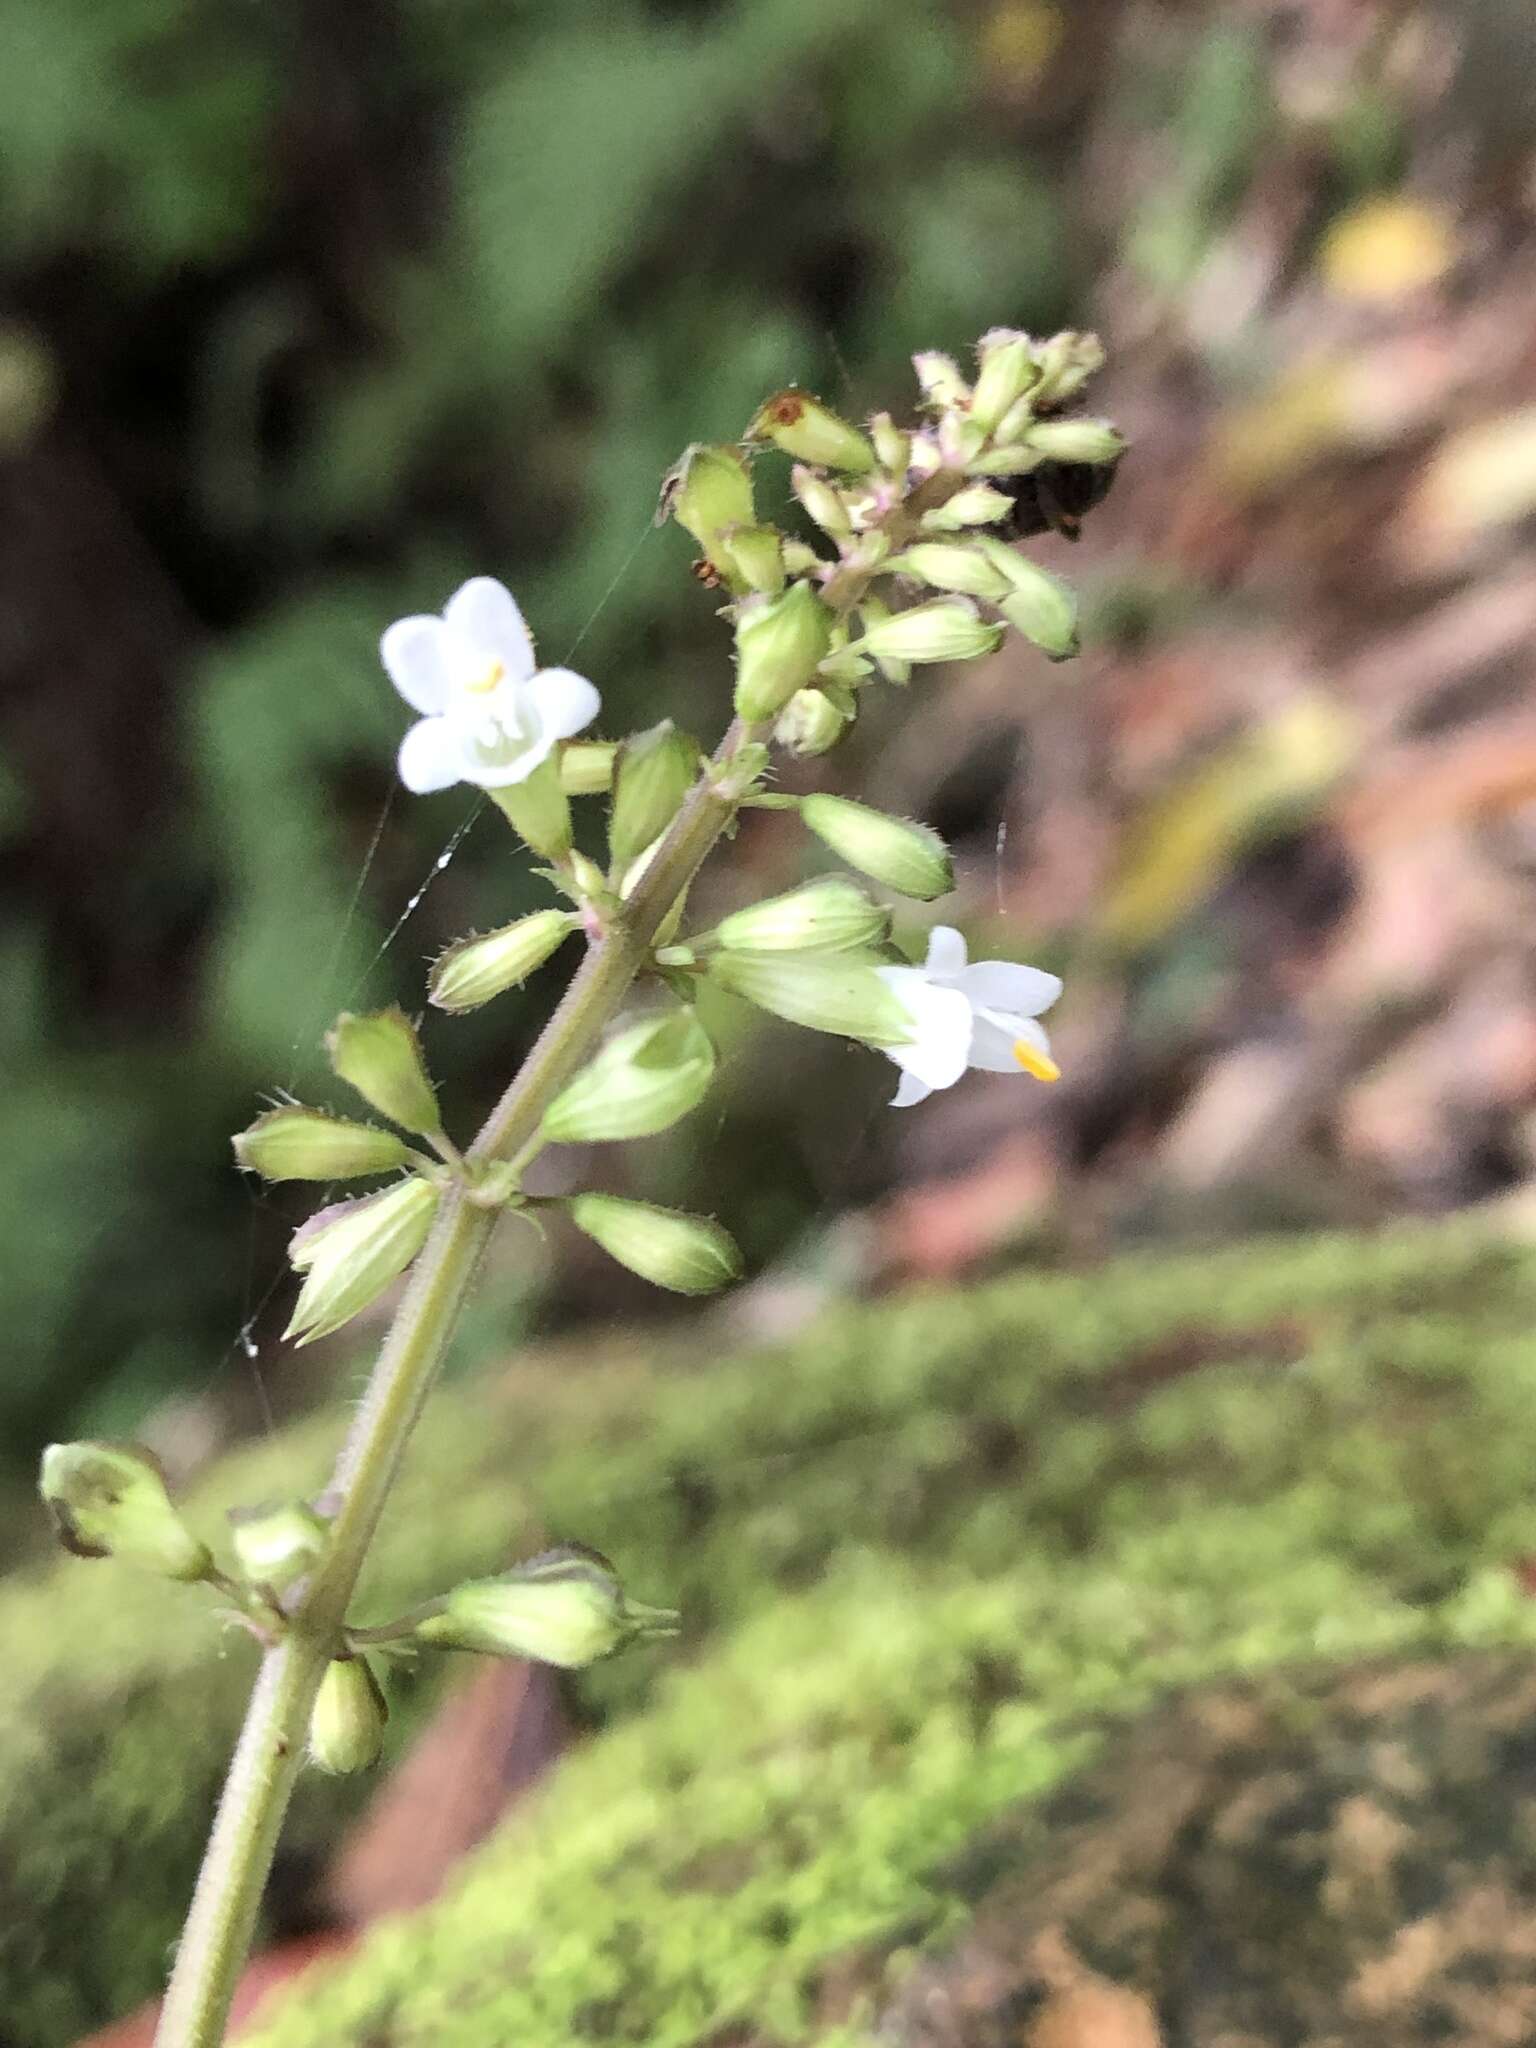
[[490, 714]]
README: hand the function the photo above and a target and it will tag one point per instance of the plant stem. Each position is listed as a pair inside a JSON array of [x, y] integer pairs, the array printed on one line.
[[225, 1904]]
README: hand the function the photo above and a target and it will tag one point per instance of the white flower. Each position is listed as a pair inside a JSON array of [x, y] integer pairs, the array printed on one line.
[[980, 1016], [490, 715]]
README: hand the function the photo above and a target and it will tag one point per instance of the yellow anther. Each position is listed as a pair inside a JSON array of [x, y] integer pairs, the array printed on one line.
[[1035, 1062], [487, 680]]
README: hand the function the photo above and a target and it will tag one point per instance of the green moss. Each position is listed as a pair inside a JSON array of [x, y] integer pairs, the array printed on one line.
[[912, 1546]]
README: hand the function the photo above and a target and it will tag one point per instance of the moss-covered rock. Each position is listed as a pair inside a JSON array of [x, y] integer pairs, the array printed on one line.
[[916, 1547]]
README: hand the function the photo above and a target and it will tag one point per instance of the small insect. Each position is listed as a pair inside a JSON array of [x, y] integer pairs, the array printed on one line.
[[1055, 498]]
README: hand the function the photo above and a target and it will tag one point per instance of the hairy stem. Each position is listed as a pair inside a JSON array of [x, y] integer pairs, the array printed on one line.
[[239, 1856]]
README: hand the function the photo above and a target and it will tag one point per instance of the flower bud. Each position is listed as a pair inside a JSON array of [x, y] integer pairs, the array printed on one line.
[[810, 724], [641, 1082], [471, 971], [940, 378], [823, 503], [346, 1723], [945, 629], [910, 858], [586, 766], [293, 1142], [1075, 441], [1066, 363], [566, 1608], [1006, 369], [351, 1251], [538, 810], [754, 556], [976, 505], [380, 1057], [837, 992], [709, 491], [951, 565], [779, 641], [1038, 605], [685, 1254], [874, 611], [110, 1500], [891, 444], [655, 772], [276, 1546], [810, 431], [830, 915]]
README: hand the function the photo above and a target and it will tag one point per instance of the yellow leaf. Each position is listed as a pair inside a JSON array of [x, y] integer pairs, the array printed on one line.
[[1386, 247], [1185, 840]]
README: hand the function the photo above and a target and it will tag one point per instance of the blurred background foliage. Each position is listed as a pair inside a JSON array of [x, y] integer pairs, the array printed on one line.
[[310, 312]]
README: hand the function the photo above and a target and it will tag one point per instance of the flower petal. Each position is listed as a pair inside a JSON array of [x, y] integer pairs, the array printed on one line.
[[565, 702], [910, 1091], [430, 757], [484, 615], [941, 1027], [946, 954], [996, 1035], [414, 655], [1008, 986]]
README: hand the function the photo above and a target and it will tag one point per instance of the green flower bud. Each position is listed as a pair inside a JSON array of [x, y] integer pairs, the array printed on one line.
[[830, 915], [976, 505], [565, 1608], [471, 971], [810, 724], [685, 1254], [810, 431], [641, 1082], [380, 1056], [538, 810], [1038, 605], [1006, 370], [1092, 441], [779, 641], [951, 565], [110, 1500], [296, 1143], [351, 1251], [874, 611], [910, 858], [1010, 459], [940, 378], [891, 444], [945, 629], [800, 559], [838, 992], [709, 491], [656, 770], [586, 766], [346, 1724], [823, 503], [1066, 363], [754, 556], [276, 1546]]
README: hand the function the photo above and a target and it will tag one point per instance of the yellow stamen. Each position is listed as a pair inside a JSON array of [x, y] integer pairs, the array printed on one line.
[[485, 682], [1035, 1062]]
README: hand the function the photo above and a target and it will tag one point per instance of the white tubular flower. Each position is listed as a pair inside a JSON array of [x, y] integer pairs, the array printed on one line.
[[969, 1016], [490, 715]]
